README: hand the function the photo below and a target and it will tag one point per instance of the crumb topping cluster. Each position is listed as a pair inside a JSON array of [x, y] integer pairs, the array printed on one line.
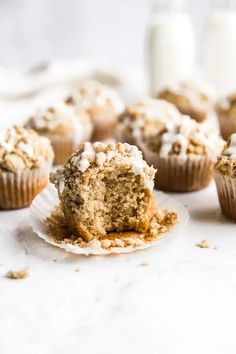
[[94, 94], [197, 96], [161, 222], [186, 138], [56, 120], [99, 155], [147, 117], [22, 149], [226, 162]]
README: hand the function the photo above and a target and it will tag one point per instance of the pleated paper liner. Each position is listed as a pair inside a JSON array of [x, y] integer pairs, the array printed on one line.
[[64, 146], [46, 201], [226, 188], [179, 174], [18, 189]]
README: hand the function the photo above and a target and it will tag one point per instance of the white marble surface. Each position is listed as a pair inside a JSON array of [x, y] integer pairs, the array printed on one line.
[[183, 301]]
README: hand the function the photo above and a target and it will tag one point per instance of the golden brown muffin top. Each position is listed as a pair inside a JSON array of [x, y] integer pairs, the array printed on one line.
[[22, 149]]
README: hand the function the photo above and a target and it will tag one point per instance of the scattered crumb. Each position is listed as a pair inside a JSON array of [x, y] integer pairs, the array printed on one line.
[[203, 244], [144, 264], [77, 270], [55, 260], [18, 274], [215, 248], [162, 221]]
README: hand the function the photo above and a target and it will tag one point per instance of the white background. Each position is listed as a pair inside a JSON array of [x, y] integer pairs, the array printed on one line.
[[36, 30]]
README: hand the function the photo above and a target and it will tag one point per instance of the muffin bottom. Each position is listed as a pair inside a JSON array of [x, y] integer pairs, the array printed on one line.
[[17, 190], [178, 174], [226, 188]]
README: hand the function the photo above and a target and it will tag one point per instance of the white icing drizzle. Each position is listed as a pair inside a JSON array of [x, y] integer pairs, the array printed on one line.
[[26, 148], [44, 118], [132, 156], [231, 149], [191, 91], [188, 131], [10, 140]]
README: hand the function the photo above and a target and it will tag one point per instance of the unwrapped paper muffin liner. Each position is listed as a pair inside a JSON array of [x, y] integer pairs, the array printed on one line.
[[17, 190], [45, 202], [180, 174], [226, 188]]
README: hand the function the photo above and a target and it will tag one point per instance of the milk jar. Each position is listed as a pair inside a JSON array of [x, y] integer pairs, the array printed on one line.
[[170, 47], [219, 50]]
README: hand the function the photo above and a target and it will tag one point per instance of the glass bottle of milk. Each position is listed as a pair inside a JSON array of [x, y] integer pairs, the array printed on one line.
[[171, 44], [219, 47]]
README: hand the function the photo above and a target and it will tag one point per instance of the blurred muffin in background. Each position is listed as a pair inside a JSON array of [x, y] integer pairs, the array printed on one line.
[[226, 112], [184, 155], [65, 127], [225, 178], [25, 161], [103, 105], [190, 99], [146, 118]]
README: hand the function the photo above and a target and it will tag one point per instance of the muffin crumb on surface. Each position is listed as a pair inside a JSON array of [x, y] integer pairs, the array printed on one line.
[[203, 244], [18, 274]]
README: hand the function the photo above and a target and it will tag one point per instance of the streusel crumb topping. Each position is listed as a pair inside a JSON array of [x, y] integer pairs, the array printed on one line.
[[57, 119], [147, 117], [94, 94], [99, 155], [22, 149], [226, 163]]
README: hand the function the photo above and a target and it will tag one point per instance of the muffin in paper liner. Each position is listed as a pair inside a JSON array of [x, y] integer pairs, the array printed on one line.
[[226, 188], [64, 146], [45, 202], [227, 125], [179, 174], [18, 189]]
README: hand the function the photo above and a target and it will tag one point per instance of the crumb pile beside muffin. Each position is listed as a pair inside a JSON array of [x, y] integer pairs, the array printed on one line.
[[145, 118], [25, 160], [65, 128], [106, 195], [184, 155], [190, 99], [226, 111], [102, 103], [225, 178]]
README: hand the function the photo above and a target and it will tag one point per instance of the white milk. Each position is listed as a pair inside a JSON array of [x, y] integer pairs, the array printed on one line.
[[171, 49], [219, 51]]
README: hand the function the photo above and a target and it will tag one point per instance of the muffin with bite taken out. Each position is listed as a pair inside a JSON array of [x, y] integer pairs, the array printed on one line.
[[106, 196]]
